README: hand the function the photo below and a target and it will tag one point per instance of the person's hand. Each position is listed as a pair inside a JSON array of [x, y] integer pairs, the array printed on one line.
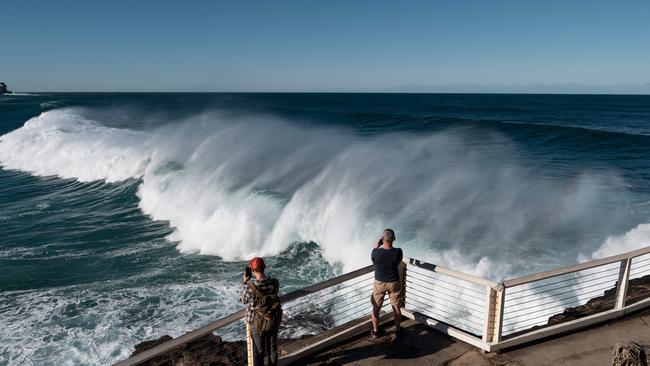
[[245, 278]]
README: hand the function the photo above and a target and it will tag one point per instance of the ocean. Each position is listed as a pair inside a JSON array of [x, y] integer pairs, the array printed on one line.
[[124, 217]]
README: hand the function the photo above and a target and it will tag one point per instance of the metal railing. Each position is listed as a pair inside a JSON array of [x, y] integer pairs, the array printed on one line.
[[448, 296], [494, 316], [489, 315], [530, 305]]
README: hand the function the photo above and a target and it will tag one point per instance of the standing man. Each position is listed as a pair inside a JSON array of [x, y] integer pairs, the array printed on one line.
[[386, 259], [259, 293]]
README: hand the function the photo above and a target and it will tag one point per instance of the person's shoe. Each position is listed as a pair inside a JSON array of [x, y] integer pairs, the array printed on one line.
[[399, 333], [375, 333]]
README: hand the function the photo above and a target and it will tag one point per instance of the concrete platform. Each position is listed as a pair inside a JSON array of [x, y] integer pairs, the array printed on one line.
[[591, 347], [420, 345], [423, 346]]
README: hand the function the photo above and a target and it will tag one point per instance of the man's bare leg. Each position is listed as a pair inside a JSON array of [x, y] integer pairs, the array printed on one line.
[[397, 316], [375, 318]]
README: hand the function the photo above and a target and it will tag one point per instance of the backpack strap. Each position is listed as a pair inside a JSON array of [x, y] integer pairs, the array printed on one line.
[[259, 293], [255, 290]]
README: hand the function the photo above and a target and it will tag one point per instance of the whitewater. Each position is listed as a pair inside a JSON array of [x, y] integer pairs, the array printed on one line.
[[226, 186]]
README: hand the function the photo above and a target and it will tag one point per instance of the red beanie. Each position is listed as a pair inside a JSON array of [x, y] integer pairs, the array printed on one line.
[[257, 264]]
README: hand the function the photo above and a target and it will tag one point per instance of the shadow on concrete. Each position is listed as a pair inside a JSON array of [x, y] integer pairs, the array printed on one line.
[[416, 342]]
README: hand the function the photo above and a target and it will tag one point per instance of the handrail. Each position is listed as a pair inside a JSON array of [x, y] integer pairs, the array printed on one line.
[[451, 273], [229, 319], [574, 268], [325, 284]]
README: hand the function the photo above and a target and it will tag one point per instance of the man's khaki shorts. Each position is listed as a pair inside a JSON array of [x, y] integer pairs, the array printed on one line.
[[379, 289]]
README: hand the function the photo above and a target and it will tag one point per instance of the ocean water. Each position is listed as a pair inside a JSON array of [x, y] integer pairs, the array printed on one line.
[[124, 217]]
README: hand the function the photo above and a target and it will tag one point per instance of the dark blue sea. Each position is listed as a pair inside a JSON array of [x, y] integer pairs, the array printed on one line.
[[124, 217]]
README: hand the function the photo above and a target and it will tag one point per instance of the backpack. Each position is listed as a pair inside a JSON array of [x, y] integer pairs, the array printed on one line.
[[268, 315]]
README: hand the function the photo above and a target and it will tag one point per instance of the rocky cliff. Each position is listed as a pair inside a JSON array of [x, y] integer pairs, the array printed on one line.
[[638, 289], [3, 89], [208, 350]]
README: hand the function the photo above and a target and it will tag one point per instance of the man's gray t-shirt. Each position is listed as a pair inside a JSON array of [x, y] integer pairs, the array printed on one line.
[[386, 262]]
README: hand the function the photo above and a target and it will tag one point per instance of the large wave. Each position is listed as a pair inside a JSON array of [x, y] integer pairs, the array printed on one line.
[[235, 186]]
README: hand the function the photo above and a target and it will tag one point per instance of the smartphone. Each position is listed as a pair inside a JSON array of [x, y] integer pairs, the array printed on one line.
[[248, 272]]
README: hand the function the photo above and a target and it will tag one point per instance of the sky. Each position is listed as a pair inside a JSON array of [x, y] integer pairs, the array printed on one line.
[[348, 46]]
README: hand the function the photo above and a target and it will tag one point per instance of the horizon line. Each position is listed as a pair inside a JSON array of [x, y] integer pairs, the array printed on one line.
[[325, 92]]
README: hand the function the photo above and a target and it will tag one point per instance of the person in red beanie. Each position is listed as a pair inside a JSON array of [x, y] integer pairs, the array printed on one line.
[[259, 293]]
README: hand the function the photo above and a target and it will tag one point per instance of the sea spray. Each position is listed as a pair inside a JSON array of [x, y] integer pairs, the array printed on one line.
[[236, 186]]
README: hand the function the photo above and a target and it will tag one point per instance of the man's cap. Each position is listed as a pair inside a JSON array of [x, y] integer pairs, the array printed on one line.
[[257, 263]]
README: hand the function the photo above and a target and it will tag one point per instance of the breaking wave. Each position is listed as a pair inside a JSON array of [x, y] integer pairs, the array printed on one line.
[[235, 186]]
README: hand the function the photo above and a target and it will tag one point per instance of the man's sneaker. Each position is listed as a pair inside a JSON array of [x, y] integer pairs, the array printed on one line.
[[375, 333]]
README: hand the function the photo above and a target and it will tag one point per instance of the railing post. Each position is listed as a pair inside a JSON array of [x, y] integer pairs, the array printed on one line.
[[494, 314], [488, 324], [623, 279], [402, 279], [499, 306]]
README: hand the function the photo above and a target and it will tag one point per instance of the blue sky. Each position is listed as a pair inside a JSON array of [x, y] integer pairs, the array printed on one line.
[[488, 46]]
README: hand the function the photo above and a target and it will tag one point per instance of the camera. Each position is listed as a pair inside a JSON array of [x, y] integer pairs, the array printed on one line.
[[248, 272]]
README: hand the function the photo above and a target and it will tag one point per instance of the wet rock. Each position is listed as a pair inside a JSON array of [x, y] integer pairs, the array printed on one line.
[[208, 350], [3, 89], [638, 289]]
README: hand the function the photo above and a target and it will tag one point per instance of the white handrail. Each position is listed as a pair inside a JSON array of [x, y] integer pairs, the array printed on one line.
[[575, 268], [451, 273]]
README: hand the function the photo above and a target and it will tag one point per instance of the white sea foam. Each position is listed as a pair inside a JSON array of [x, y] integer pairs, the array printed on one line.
[[65, 144], [77, 325], [238, 186], [21, 94]]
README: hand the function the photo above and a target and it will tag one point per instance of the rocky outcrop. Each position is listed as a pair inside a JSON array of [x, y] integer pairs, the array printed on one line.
[[630, 354], [3, 89], [638, 289], [207, 350]]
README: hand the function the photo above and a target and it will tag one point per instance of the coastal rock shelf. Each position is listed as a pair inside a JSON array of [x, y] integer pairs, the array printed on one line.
[[3, 89], [208, 350]]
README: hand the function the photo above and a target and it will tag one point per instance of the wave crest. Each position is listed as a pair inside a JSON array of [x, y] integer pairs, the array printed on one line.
[[65, 144], [239, 186]]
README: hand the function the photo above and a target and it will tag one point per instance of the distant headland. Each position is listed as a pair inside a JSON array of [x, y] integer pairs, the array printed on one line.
[[3, 89]]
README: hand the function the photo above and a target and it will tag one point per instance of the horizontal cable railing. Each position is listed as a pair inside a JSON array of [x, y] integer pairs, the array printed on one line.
[[328, 308], [484, 313], [440, 296], [640, 266], [572, 297], [532, 304]]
